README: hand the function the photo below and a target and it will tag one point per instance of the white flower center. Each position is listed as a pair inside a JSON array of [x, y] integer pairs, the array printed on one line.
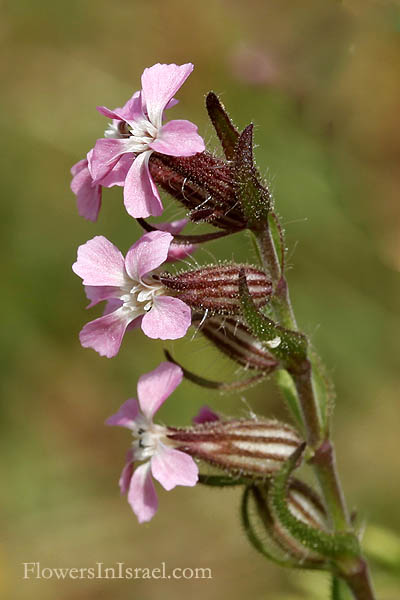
[[146, 438], [138, 296], [139, 134]]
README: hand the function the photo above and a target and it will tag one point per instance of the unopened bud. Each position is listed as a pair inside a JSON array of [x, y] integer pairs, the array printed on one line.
[[250, 448], [304, 504], [202, 183], [216, 287], [233, 338]]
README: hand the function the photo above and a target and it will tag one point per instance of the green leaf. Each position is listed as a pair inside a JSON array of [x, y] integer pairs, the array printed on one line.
[[324, 389], [288, 389], [278, 238], [332, 546], [292, 348], [339, 590], [254, 197], [226, 131]]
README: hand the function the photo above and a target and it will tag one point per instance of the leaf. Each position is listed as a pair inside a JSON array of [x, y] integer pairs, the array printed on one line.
[[254, 198], [278, 238], [324, 389], [292, 347], [339, 590], [226, 131], [288, 388]]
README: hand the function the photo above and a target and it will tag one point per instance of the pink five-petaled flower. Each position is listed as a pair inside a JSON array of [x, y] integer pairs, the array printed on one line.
[[169, 466], [134, 297], [139, 132]]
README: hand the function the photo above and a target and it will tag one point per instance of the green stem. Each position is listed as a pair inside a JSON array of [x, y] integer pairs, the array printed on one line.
[[268, 253], [309, 405], [324, 464], [323, 461]]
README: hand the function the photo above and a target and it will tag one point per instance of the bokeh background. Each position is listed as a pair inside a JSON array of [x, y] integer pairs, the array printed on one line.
[[321, 82]]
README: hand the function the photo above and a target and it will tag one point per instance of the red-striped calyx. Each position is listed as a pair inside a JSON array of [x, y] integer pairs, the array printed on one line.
[[250, 447], [215, 288]]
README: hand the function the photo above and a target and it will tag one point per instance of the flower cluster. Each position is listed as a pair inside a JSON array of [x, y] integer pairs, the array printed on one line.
[[241, 309], [142, 154]]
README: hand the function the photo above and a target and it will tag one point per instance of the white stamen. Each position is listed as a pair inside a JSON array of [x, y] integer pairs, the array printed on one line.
[[146, 438], [138, 296]]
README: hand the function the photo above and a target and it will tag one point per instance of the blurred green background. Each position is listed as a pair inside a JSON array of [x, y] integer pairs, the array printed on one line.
[[320, 79]]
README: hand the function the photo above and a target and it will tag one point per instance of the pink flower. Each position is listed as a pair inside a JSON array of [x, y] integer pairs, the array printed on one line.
[[137, 130], [134, 297], [169, 466]]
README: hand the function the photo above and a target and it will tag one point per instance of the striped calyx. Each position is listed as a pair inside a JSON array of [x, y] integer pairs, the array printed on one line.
[[304, 504], [202, 183], [215, 288], [232, 337], [250, 448]]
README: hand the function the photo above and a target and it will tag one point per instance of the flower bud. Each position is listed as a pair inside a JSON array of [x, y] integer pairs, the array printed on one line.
[[216, 287], [232, 337], [202, 183], [250, 448], [304, 504]]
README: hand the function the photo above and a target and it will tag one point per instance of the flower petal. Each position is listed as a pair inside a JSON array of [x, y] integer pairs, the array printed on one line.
[[99, 262], [126, 476], [154, 388], [118, 173], [173, 227], [141, 197], [178, 138], [132, 109], [105, 334], [88, 196], [172, 103], [180, 251], [168, 319], [98, 293], [177, 251], [110, 114], [159, 85], [142, 495], [77, 167], [171, 467], [104, 157], [112, 305], [148, 253], [126, 415], [205, 415]]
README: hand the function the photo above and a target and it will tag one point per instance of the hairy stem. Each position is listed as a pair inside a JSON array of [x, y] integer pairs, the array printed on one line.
[[310, 408], [323, 460], [324, 463]]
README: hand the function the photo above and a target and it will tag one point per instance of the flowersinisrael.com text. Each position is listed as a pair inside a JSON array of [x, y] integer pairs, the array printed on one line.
[[34, 570]]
